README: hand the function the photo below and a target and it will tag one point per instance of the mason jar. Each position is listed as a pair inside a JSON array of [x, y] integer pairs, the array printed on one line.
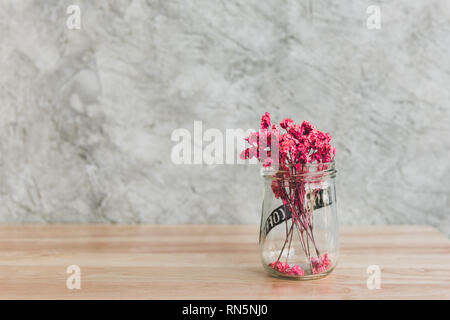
[[299, 225]]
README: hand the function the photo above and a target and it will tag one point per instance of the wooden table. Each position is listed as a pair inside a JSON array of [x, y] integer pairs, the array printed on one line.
[[211, 262]]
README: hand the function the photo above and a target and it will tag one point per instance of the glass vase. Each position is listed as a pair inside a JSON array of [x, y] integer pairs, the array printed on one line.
[[299, 226]]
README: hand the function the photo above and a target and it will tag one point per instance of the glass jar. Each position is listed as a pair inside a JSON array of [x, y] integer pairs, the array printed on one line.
[[299, 227]]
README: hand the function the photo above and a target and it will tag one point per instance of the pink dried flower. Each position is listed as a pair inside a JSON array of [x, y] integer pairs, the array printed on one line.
[[276, 188], [326, 262], [288, 144], [300, 144], [245, 154], [307, 128], [279, 266], [253, 138], [286, 269], [265, 121], [267, 162], [296, 270], [286, 123], [249, 153], [275, 133], [295, 130], [320, 264]]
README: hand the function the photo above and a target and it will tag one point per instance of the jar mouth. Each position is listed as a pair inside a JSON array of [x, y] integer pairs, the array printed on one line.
[[301, 171]]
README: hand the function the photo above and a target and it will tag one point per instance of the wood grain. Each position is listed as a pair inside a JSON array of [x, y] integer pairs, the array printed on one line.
[[211, 262]]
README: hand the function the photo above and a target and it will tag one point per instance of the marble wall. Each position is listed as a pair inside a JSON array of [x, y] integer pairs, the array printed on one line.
[[87, 115]]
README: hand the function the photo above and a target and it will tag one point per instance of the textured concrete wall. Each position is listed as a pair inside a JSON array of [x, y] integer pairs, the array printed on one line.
[[87, 115]]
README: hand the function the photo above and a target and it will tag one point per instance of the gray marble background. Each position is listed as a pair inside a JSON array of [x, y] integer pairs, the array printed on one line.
[[87, 115]]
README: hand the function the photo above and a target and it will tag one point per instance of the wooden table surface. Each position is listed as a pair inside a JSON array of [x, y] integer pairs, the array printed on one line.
[[212, 262]]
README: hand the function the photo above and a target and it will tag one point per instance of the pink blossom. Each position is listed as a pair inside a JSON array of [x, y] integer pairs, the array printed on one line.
[[275, 129], [265, 121], [287, 269], [253, 138], [279, 266], [295, 130], [267, 162], [299, 144], [288, 145], [249, 153], [286, 123], [320, 264], [296, 270], [326, 262], [276, 188], [307, 128]]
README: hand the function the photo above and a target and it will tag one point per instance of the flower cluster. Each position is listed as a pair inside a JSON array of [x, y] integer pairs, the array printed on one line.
[[320, 264], [287, 269], [298, 145]]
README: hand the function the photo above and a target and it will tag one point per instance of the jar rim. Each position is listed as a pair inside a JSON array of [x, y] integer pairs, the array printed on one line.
[[309, 170]]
